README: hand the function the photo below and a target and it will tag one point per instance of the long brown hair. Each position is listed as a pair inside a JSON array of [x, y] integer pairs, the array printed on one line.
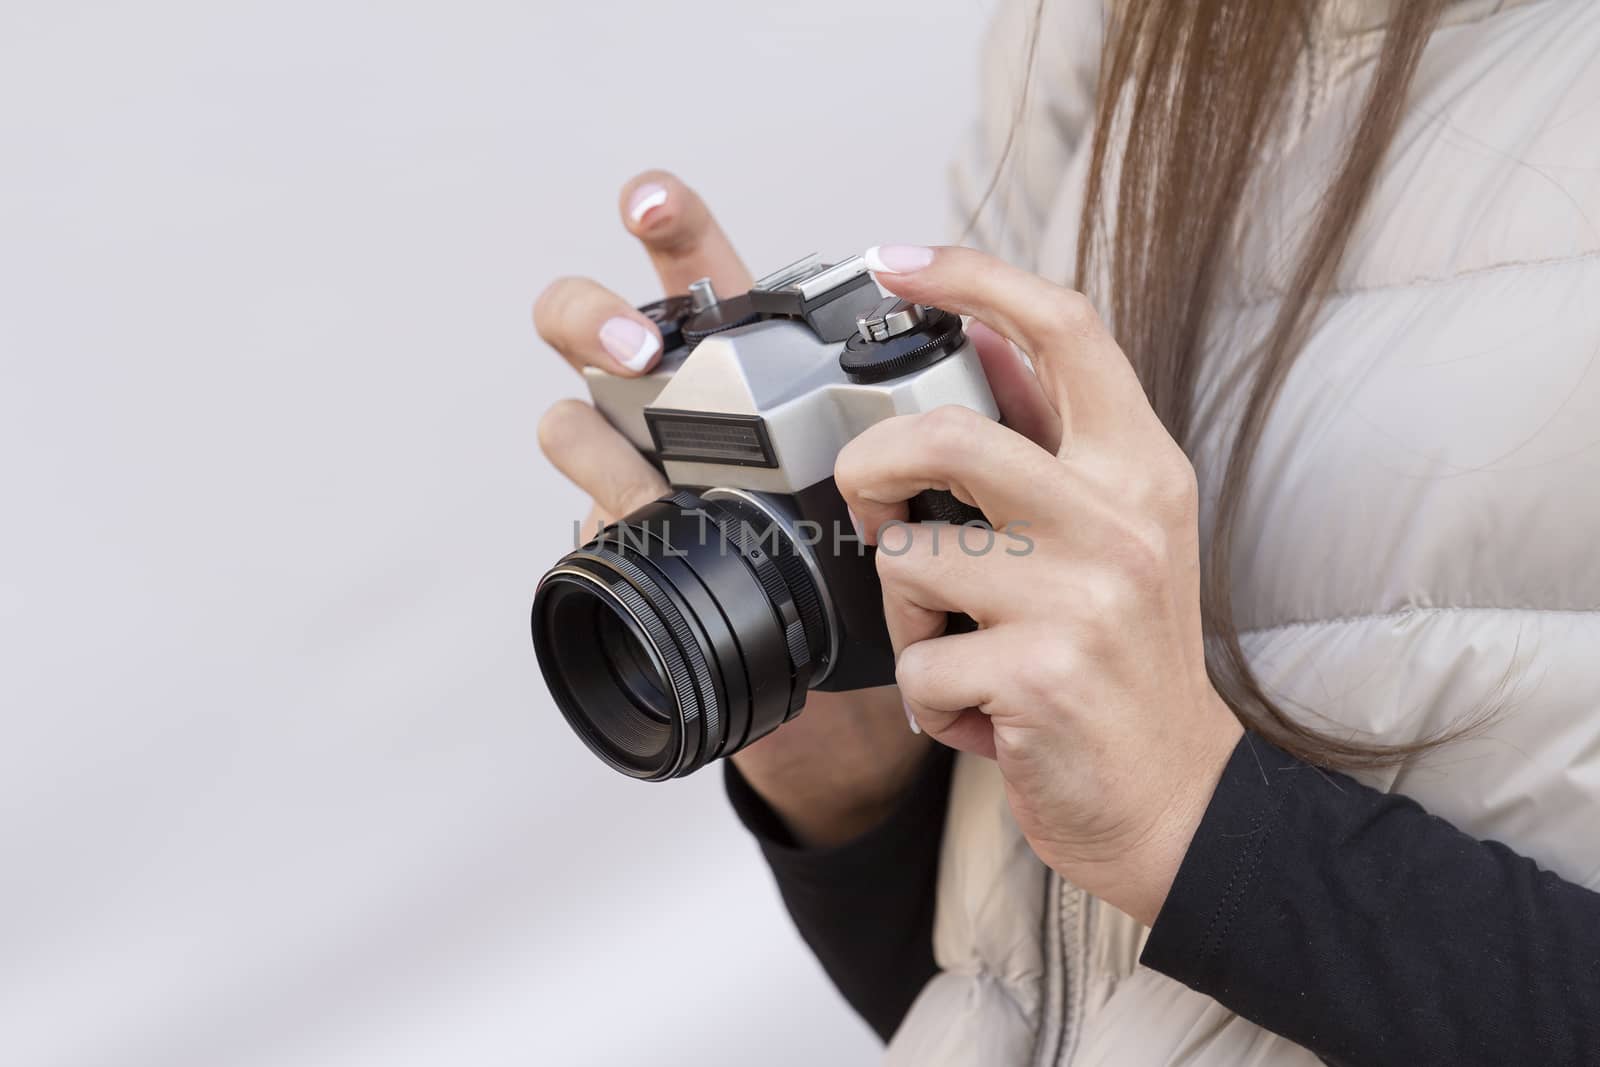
[[1191, 92]]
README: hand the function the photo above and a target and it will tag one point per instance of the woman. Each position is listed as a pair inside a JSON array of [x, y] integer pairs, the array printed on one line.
[[1315, 458]]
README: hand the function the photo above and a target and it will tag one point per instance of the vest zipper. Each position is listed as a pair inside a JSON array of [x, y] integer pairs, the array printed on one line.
[[1066, 941]]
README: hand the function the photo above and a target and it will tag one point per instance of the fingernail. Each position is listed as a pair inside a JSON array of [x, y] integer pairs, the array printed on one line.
[[629, 343], [646, 199], [897, 259], [860, 533], [910, 718]]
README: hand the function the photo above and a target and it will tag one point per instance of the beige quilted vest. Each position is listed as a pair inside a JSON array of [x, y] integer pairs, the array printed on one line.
[[1423, 534]]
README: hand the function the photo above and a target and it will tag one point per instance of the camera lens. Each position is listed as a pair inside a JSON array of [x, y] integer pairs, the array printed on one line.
[[681, 633]]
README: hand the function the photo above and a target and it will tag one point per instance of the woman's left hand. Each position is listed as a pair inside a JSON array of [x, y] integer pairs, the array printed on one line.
[[1087, 680]]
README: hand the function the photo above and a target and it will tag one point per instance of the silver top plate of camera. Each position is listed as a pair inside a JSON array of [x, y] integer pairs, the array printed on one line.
[[781, 374], [812, 278]]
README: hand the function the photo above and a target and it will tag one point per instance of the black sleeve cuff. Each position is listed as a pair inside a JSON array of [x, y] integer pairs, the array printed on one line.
[[1223, 863], [865, 907], [901, 836]]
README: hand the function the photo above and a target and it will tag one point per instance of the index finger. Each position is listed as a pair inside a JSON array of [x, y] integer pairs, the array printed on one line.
[[683, 239], [985, 464], [1085, 374]]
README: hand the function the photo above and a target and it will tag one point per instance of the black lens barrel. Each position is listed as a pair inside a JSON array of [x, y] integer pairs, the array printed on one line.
[[722, 621]]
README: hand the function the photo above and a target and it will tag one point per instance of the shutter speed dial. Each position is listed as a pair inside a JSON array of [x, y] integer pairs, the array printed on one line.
[[897, 338]]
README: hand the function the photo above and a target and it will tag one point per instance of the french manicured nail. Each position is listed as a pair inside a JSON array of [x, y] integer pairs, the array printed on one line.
[[910, 718], [646, 199], [629, 343], [897, 259]]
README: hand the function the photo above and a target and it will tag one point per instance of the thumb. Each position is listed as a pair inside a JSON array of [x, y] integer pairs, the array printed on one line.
[[684, 241]]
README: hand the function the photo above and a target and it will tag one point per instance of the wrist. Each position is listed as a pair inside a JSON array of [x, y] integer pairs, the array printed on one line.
[[815, 820], [837, 770], [1141, 877]]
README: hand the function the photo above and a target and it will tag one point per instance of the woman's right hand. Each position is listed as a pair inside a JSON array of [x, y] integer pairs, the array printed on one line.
[[838, 768]]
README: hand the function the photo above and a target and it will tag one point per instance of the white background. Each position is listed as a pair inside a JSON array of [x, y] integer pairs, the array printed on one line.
[[279, 782]]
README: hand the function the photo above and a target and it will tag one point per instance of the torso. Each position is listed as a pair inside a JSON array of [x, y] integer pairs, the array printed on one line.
[[1417, 548]]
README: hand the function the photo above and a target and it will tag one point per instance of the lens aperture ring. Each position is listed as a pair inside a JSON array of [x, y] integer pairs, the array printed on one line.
[[747, 543], [745, 540], [798, 577]]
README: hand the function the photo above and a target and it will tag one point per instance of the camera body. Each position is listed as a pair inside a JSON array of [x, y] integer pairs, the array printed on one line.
[[696, 625]]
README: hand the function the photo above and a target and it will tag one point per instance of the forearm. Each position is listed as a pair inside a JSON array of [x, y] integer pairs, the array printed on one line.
[[1359, 926], [838, 769], [864, 907]]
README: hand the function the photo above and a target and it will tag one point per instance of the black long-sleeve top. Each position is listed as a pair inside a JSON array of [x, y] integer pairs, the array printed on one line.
[[1348, 920]]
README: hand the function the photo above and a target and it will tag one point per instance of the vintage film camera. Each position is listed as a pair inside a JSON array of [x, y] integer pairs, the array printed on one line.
[[696, 625]]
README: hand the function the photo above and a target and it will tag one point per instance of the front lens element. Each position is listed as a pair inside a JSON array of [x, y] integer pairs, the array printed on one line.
[[602, 659], [633, 666]]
